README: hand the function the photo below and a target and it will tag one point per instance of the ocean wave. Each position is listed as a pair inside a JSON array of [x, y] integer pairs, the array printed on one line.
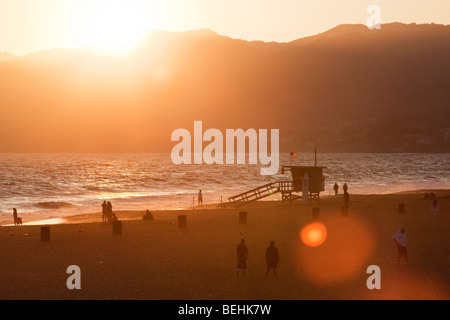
[[158, 179], [54, 205]]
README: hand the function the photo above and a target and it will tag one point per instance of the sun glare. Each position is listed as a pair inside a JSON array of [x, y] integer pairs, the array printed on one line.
[[111, 26]]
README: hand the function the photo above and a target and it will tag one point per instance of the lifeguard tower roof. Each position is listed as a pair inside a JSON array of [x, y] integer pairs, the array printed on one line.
[[314, 175]]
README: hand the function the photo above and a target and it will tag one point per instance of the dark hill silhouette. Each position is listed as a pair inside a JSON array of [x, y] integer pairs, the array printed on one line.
[[347, 89]]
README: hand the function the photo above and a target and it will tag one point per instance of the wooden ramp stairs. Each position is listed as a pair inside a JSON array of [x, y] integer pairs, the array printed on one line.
[[286, 188]]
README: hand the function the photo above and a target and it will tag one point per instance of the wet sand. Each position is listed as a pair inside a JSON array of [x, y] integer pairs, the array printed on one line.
[[156, 260]]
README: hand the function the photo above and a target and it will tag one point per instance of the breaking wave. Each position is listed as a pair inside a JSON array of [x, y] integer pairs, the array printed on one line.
[[53, 205]]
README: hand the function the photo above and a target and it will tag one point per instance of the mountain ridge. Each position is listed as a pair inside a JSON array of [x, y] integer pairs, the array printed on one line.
[[349, 89]]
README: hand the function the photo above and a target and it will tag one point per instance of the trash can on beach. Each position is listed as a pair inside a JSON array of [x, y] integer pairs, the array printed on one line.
[[117, 227], [45, 233]]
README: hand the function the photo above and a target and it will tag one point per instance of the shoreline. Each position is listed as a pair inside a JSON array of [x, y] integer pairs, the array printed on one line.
[[135, 214]]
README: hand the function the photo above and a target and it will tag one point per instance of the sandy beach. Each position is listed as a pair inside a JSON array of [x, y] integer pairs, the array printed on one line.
[[156, 260]]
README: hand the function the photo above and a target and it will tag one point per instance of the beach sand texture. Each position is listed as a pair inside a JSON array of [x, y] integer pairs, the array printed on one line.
[[156, 260]]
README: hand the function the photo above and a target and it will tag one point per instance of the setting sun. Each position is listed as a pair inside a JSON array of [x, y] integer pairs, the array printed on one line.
[[111, 26]]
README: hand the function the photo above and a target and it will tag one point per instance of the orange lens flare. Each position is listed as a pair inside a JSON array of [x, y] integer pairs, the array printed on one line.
[[314, 234], [336, 251]]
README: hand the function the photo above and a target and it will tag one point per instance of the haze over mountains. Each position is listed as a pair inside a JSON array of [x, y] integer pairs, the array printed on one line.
[[349, 89], [5, 56]]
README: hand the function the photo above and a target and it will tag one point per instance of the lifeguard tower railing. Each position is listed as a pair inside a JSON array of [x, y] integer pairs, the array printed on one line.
[[284, 187]]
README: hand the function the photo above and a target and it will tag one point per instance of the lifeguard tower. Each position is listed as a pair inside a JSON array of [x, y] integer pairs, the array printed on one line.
[[307, 181]]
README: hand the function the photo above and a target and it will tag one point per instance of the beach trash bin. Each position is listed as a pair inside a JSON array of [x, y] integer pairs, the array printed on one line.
[[401, 208], [344, 211], [243, 217], [45, 233], [182, 222], [117, 227], [316, 213]]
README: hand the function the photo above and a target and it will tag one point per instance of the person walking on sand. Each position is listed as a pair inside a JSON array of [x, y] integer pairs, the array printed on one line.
[[242, 257], [200, 198], [272, 259], [345, 187], [336, 189], [104, 211], [400, 241]]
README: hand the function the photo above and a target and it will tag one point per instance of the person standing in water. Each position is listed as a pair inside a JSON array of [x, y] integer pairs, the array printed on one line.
[[242, 257], [400, 241]]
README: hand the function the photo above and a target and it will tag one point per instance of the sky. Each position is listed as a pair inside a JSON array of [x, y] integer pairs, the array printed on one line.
[[32, 25]]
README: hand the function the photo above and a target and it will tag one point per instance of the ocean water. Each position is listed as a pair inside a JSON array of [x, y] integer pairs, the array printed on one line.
[[50, 186]]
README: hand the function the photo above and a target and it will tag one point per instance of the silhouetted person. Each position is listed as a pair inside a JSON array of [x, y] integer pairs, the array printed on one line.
[[148, 216], [347, 201], [272, 259], [105, 211], [200, 198], [15, 216], [242, 257], [345, 187], [400, 241], [114, 218], [336, 189], [109, 211]]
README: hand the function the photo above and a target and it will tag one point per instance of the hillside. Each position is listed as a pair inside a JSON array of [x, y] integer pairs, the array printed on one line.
[[349, 89]]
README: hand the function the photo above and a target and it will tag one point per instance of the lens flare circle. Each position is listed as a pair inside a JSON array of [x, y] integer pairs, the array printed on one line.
[[314, 234]]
